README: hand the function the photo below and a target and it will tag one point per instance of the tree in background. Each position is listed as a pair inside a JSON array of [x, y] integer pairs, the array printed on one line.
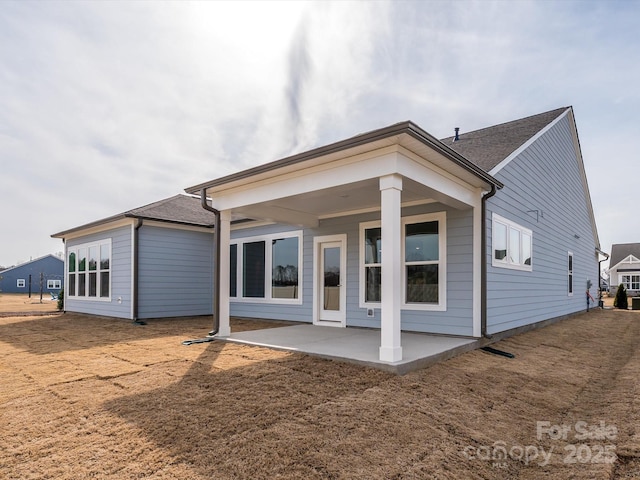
[[621, 298]]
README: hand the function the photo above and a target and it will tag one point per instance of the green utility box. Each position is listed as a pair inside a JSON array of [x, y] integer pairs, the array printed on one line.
[[635, 303]]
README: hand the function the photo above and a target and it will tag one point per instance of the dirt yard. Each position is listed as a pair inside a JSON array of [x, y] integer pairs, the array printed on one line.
[[85, 397]]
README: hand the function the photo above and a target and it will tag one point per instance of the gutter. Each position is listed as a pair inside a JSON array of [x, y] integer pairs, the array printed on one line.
[[216, 273], [483, 270]]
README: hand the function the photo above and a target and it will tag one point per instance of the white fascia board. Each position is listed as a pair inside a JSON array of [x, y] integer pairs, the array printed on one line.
[[99, 228], [350, 170], [629, 260], [449, 189], [386, 161]]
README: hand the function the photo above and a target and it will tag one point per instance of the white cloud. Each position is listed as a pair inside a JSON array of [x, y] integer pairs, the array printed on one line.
[[107, 106]]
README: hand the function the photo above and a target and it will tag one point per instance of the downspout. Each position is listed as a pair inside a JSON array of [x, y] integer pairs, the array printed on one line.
[[483, 270], [606, 255], [216, 262], [136, 250]]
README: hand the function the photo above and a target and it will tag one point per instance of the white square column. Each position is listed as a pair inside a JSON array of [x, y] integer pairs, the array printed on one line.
[[390, 193], [224, 327]]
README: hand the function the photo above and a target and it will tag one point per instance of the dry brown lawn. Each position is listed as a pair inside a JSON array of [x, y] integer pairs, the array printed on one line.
[[86, 397]]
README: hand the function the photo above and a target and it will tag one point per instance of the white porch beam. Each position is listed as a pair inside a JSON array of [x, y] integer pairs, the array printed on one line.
[[279, 215], [224, 327], [390, 330]]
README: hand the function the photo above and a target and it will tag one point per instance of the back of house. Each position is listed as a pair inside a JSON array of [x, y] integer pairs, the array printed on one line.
[[495, 230]]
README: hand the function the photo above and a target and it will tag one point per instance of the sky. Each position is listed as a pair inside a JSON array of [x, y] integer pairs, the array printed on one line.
[[108, 106]]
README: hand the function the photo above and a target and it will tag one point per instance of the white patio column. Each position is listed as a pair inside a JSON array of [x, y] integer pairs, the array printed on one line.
[[223, 290], [390, 193]]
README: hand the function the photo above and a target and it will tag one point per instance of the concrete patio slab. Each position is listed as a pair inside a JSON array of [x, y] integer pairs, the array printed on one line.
[[357, 345]]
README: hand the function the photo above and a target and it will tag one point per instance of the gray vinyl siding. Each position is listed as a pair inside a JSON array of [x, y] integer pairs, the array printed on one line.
[[457, 319], [121, 268], [544, 177], [174, 272]]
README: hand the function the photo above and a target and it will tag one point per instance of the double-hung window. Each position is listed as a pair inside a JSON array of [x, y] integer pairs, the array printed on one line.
[[631, 282], [423, 259], [512, 245], [266, 268], [89, 270], [54, 284], [21, 283]]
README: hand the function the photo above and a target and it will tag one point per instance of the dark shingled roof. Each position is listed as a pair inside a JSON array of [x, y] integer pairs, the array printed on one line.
[[180, 209], [487, 147], [177, 209], [620, 251]]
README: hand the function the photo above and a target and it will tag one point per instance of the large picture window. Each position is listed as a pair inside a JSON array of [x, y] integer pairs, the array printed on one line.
[[266, 268], [423, 256], [89, 270], [512, 245]]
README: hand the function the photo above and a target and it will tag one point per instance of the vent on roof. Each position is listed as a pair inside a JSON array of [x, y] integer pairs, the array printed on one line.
[[457, 137]]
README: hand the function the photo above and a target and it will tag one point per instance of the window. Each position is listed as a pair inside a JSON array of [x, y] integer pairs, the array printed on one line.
[[423, 255], [253, 274], [631, 282], [266, 268], [570, 273], [54, 284], [21, 283], [512, 244], [372, 263], [89, 270], [284, 276], [233, 270]]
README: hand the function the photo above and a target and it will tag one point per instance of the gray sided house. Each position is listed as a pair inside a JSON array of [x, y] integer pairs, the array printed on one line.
[[49, 269], [482, 233], [152, 261], [624, 267]]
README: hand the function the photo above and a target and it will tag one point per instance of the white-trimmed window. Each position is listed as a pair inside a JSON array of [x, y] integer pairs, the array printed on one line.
[[89, 271], [267, 268], [631, 281], [423, 262], [21, 283], [54, 284], [512, 244], [570, 273]]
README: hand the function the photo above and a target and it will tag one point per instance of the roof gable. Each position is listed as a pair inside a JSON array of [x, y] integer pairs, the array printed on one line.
[[489, 146], [621, 252]]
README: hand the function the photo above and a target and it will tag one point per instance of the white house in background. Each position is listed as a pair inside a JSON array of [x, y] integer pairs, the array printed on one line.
[[487, 232], [625, 267]]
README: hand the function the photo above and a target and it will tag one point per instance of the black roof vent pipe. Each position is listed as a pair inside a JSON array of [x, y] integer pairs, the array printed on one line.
[[457, 137]]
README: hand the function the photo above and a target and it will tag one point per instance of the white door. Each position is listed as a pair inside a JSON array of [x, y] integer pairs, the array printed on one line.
[[330, 281]]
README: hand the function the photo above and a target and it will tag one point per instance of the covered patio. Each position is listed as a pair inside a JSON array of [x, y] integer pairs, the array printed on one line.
[[357, 345], [383, 171]]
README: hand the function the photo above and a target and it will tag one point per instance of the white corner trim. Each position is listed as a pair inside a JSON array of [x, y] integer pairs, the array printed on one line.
[[527, 144]]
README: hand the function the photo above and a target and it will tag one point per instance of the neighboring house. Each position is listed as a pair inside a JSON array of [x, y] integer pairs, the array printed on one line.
[[483, 233], [625, 267], [153, 261], [26, 277]]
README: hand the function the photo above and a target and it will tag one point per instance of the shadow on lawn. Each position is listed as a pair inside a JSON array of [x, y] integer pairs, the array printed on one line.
[[244, 417], [71, 331]]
